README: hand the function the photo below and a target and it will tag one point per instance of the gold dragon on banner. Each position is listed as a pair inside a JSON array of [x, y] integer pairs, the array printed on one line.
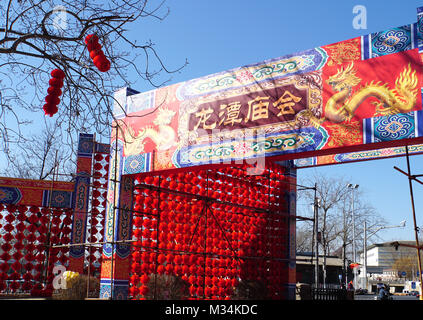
[[342, 105], [164, 137]]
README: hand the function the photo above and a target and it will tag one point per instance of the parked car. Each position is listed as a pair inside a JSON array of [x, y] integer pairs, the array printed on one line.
[[414, 293]]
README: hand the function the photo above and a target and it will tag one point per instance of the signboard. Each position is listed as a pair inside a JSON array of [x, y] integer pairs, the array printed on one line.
[[325, 105]]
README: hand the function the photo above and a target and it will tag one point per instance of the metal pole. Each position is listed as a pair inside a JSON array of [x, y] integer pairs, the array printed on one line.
[[355, 186], [345, 266], [416, 229], [365, 255], [316, 243], [344, 247], [353, 230], [115, 186]]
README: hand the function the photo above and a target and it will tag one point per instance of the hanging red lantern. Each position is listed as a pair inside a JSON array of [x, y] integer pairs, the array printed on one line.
[[11, 208], [135, 279], [208, 291], [144, 290], [4, 267], [169, 268], [14, 285], [199, 291], [208, 281], [54, 92], [144, 279], [96, 53], [193, 269], [177, 269], [134, 291], [193, 290], [8, 227], [161, 269]]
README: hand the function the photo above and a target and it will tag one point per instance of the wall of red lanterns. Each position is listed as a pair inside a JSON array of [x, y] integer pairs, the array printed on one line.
[[27, 258], [28, 235], [213, 229]]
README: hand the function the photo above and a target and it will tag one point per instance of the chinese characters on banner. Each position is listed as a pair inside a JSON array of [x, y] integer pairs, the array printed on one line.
[[280, 104]]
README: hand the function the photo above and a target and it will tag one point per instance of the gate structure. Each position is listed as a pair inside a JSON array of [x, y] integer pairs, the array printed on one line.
[[197, 197], [202, 173], [41, 221]]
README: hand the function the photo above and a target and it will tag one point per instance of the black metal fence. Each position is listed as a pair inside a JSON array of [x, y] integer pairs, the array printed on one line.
[[329, 294]]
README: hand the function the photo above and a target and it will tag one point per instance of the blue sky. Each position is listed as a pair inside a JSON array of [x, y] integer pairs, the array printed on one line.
[[219, 35]]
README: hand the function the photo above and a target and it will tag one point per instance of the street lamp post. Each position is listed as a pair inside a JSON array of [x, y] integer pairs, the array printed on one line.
[[353, 187], [401, 225], [316, 238]]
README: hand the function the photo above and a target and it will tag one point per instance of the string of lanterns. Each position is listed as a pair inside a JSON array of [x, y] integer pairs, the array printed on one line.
[[98, 209], [54, 92], [96, 53], [57, 76]]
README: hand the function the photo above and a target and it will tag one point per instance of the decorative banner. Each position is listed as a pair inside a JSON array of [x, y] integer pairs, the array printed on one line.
[[36, 192], [86, 146], [358, 156], [324, 101]]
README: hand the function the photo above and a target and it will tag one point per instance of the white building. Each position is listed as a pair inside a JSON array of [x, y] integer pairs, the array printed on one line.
[[383, 255], [381, 258]]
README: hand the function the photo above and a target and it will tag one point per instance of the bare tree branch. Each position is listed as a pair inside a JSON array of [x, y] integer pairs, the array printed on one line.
[[39, 36]]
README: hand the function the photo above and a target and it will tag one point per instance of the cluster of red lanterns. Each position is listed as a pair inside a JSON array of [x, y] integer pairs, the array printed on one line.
[[96, 53], [210, 246], [54, 92], [57, 76], [100, 171], [27, 228], [229, 185], [98, 209]]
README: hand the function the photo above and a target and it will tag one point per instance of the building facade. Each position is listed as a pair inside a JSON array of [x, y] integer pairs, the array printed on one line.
[[389, 264]]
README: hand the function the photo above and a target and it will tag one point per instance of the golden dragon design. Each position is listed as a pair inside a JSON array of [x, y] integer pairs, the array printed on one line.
[[164, 137], [343, 104]]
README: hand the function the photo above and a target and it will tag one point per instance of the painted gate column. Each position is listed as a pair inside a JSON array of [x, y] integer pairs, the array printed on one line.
[[288, 197], [86, 146], [116, 260], [291, 173]]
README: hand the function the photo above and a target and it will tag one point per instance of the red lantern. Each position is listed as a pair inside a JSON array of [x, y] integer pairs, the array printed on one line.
[[192, 290], [199, 291], [160, 269], [144, 290], [208, 291], [96, 54], [144, 279], [4, 267], [169, 268], [54, 92], [134, 291]]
